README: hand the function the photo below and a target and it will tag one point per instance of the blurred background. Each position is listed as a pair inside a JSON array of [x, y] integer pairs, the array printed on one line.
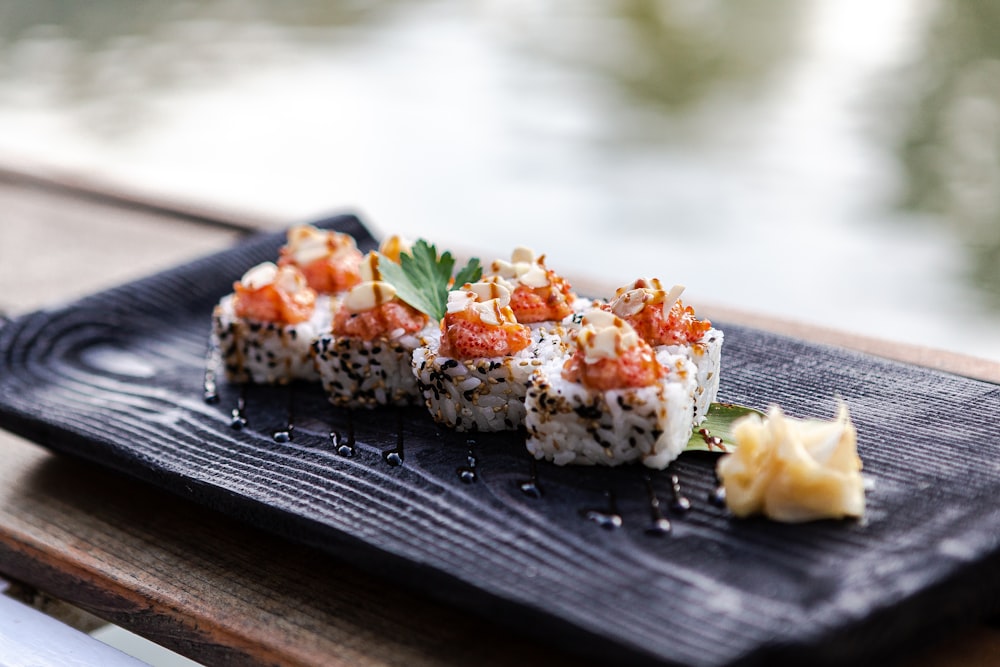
[[829, 161]]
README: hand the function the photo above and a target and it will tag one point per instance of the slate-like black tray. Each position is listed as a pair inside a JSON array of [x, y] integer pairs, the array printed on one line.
[[117, 378]]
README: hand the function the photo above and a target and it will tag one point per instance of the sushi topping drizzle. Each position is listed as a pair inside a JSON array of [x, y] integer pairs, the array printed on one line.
[[369, 295], [610, 355], [422, 278], [372, 292], [328, 259], [658, 315], [372, 310], [270, 293], [306, 244], [479, 322], [538, 293], [523, 268]]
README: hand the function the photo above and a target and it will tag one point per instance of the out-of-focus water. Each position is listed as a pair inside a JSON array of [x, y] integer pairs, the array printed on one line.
[[833, 161]]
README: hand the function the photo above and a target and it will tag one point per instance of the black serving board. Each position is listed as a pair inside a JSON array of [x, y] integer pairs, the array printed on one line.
[[117, 378]]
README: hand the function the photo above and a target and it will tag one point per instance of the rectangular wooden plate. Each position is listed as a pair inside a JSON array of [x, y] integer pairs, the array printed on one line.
[[117, 378]]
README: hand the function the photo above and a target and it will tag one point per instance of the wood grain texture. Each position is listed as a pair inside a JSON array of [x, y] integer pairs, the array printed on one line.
[[116, 379], [223, 594]]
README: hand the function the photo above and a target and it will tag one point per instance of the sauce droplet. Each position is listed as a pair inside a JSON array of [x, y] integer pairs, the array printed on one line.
[[608, 518], [679, 504], [239, 420], [718, 496], [530, 487], [345, 446], [210, 389], [285, 435], [467, 473], [394, 456], [659, 524]]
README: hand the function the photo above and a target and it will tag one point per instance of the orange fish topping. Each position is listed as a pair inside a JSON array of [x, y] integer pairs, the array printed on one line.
[[538, 293], [480, 323], [465, 336], [278, 295], [543, 304], [680, 326], [329, 260], [658, 316], [379, 321], [610, 355]]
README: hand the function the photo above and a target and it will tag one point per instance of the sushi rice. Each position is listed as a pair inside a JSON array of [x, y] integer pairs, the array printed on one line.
[[483, 394], [365, 373], [267, 352], [569, 423], [706, 357]]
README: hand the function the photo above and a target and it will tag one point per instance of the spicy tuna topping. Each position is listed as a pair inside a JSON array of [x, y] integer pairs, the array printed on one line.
[[539, 294], [372, 310], [269, 293], [480, 323], [658, 315], [329, 260], [610, 354]]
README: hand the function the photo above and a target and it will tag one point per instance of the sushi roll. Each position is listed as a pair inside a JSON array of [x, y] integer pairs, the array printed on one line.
[[265, 327], [473, 372], [612, 402], [662, 320], [366, 359], [329, 260]]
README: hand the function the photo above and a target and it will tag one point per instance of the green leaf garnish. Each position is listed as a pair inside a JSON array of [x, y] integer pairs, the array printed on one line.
[[470, 273], [422, 278], [715, 434]]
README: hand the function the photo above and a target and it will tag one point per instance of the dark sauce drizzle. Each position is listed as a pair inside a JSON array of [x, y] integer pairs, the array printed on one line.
[[678, 504], [344, 444], [718, 496], [210, 388], [285, 435], [608, 518], [239, 420], [530, 487], [467, 473], [394, 456], [659, 524]]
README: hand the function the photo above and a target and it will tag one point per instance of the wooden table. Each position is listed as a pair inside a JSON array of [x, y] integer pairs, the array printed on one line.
[[203, 584]]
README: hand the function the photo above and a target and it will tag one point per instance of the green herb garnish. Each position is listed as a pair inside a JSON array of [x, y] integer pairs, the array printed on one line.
[[422, 278], [718, 424]]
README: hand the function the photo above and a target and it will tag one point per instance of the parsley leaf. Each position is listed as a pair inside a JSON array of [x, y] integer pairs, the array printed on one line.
[[422, 278], [470, 273]]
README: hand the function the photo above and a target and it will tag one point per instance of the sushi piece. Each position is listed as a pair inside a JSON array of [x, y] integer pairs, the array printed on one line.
[[662, 320], [329, 260], [473, 372], [366, 359], [612, 402], [265, 327]]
